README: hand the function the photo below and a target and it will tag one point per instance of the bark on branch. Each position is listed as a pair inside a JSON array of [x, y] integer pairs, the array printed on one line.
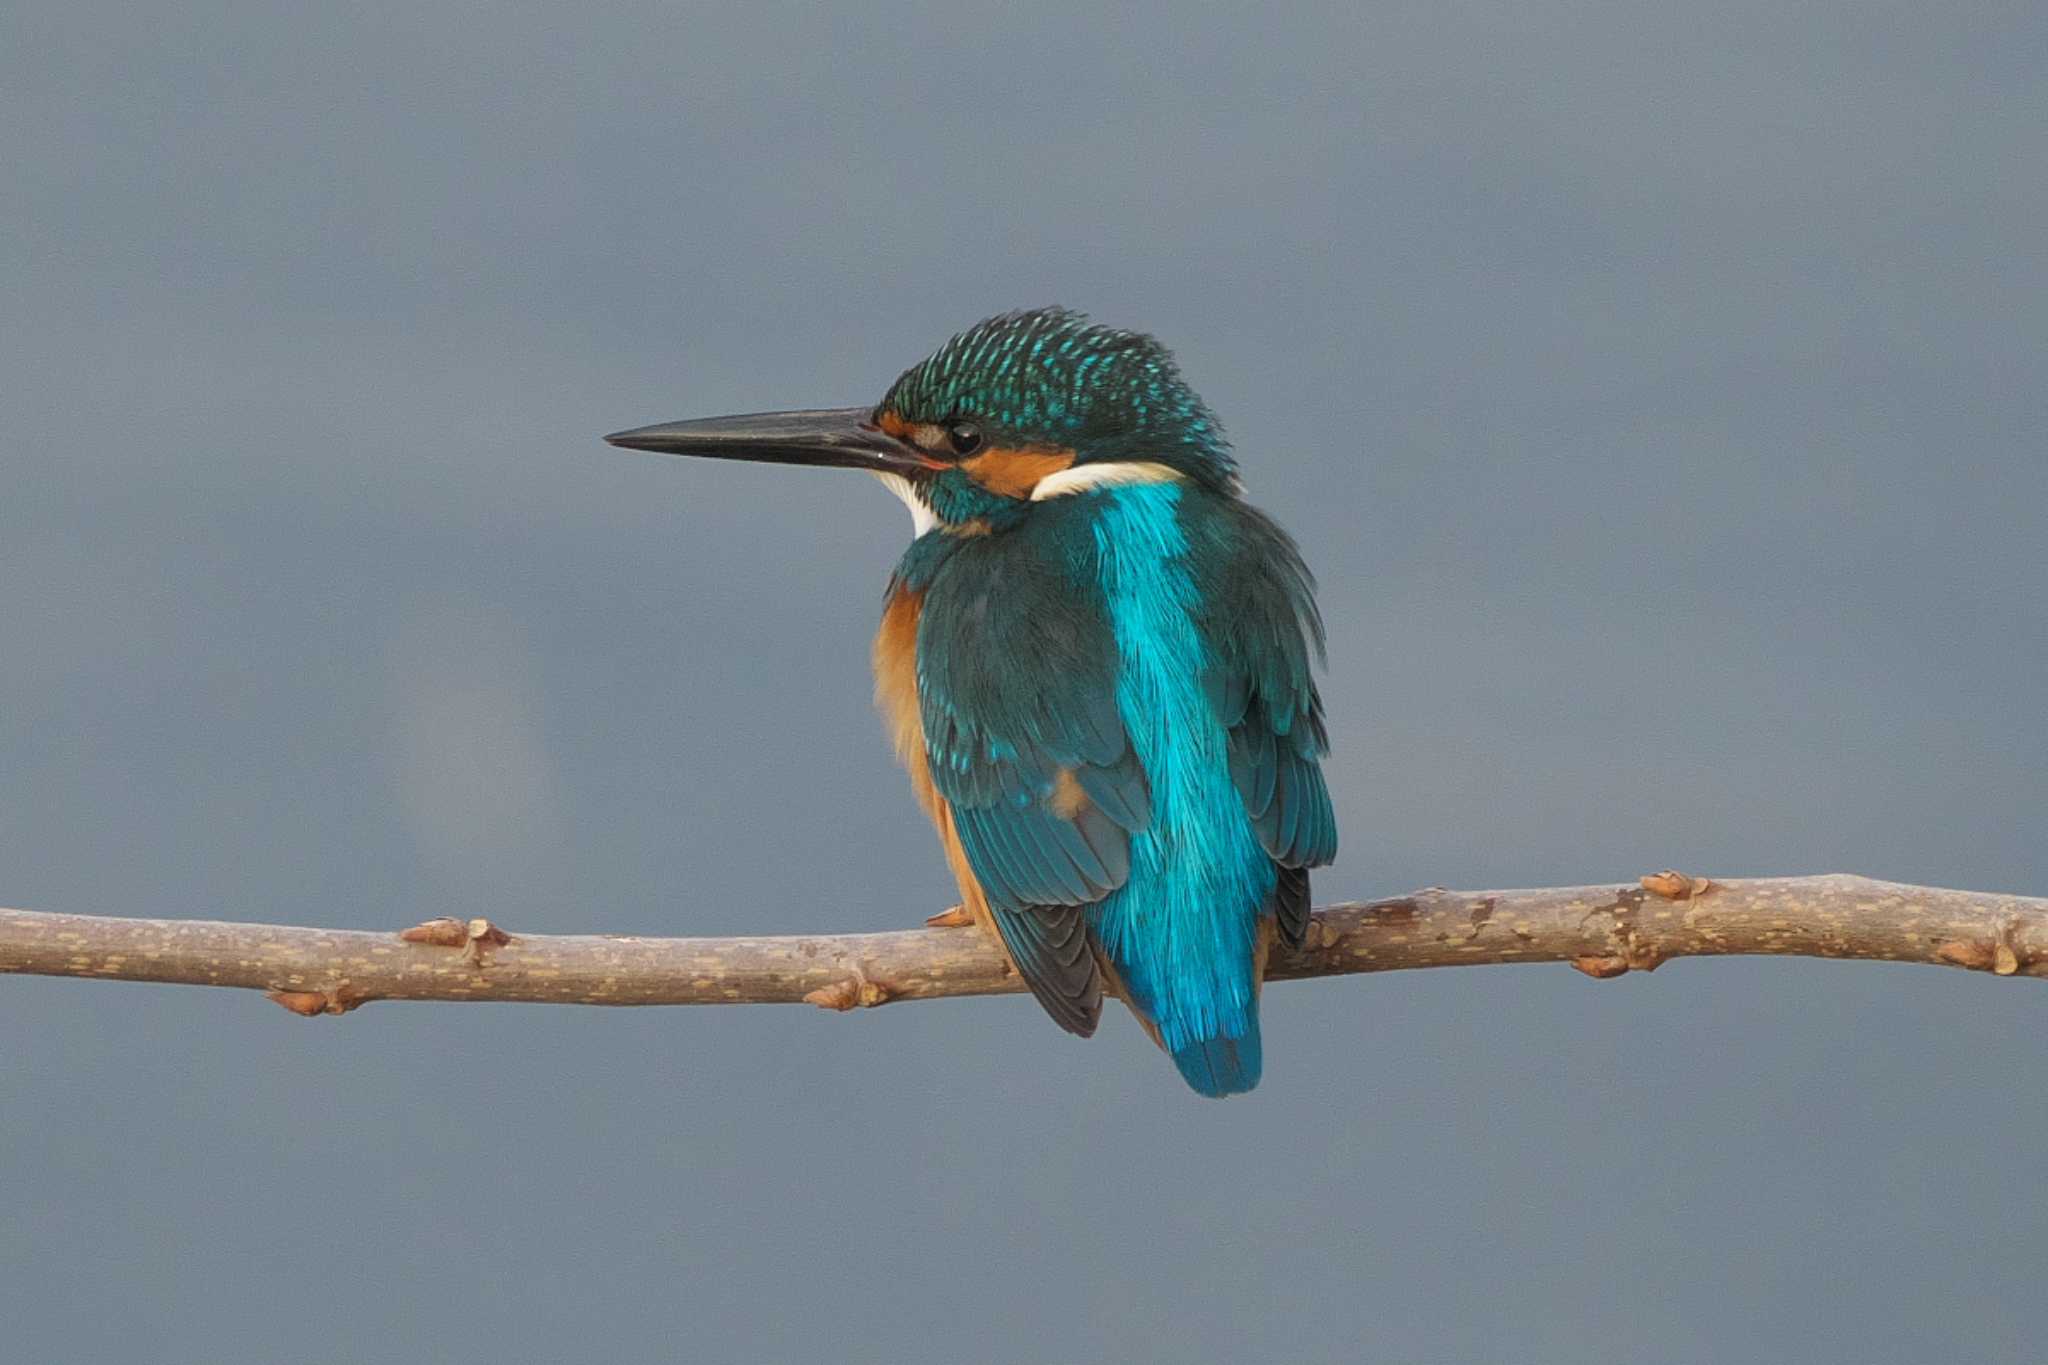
[[1601, 930]]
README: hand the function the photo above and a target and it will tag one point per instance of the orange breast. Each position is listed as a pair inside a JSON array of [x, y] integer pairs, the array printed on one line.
[[896, 690]]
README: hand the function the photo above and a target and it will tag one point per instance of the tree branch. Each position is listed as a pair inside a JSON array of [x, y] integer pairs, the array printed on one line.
[[1602, 930]]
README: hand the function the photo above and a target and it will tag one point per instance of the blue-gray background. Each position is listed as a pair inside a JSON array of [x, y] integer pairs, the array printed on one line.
[[1657, 390]]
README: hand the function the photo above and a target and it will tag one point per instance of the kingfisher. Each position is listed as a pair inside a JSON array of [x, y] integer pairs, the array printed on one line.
[[1094, 660]]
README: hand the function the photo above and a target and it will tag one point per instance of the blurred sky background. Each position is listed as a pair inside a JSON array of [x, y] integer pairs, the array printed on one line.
[[1657, 390]]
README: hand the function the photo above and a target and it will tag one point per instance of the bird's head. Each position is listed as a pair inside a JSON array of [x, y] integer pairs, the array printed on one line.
[[1021, 408]]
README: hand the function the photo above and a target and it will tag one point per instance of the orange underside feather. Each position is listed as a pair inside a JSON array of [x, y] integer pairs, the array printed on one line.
[[895, 662], [896, 697]]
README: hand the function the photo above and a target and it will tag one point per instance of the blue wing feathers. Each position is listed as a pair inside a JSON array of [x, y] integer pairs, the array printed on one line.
[[1262, 627], [1288, 790], [1119, 791], [1109, 840], [1291, 905], [1056, 960], [1023, 858], [1253, 767], [1152, 651], [1042, 853], [1016, 684]]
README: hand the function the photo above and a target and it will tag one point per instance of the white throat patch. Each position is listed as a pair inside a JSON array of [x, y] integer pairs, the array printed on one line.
[[922, 518]]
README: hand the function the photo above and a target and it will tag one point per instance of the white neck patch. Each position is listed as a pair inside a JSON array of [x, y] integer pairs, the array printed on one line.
[[1076, 479], [922, 518], [1082, 477]]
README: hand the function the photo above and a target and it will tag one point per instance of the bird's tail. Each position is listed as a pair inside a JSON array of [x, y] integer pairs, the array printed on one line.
[[1222, 1066]]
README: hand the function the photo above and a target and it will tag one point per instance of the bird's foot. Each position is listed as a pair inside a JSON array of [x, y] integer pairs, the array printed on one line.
[[956, 918]]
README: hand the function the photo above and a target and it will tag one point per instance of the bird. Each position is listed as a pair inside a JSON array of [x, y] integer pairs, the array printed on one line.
[[1094, 659]]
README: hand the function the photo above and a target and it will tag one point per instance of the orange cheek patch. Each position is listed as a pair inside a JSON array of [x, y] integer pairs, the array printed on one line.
[[1015, 472], [892, 422]]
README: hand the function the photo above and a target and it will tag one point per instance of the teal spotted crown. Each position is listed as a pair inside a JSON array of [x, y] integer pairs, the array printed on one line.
[[1049, 376]]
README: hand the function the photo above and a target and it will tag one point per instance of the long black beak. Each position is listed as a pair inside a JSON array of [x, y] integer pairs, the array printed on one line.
[[843, 437]]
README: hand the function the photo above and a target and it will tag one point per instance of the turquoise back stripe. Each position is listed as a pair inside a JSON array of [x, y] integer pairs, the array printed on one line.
[[1182, 929]]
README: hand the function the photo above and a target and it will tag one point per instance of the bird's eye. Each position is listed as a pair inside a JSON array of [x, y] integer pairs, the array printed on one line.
[[965, 437]]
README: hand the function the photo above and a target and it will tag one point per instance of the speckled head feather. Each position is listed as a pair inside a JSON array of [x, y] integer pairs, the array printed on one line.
[[1047, 376]]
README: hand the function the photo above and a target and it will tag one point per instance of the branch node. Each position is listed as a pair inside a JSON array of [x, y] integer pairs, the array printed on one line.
[[1602, 968], [439, 933], [474, 937], [1975, 956], [1481, 915], [854, 992], [338, 999], [1676, 886], [482, 935]]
